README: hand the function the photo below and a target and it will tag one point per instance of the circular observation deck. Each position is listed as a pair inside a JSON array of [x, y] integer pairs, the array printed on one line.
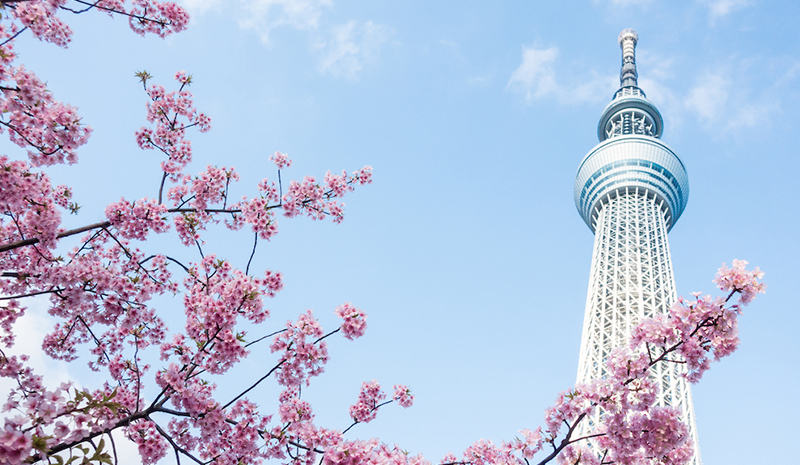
[[631, 163], [630, 113]]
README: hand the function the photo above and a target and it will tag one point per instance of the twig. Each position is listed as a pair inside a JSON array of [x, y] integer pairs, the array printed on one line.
[[252, 254]]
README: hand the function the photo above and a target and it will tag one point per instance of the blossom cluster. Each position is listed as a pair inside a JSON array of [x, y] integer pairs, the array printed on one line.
[[402, 395], [739, 279], [148, 16], [318, 201], [355, 320], [281, 160], [366, 409], [172, 113], [135, 219], [51, 131]]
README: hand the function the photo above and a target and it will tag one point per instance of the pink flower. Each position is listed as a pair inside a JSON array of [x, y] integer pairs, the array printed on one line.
[[369, 400], [403, 396], [281, 160], [354, 322]]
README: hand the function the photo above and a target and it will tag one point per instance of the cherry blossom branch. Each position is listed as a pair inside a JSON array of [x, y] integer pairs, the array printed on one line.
[[113, 448], [176, 447], [265, 337], [564, 442], [90, 5], [71, 232], [122, 422], [329, 334], [177, 262], [161, 188], [40, 148], [254, 385], [31, 294], [252, 254], [375, 408], [10, 39]]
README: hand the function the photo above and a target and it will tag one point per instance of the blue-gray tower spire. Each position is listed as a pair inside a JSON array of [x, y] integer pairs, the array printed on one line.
[[627, 41]]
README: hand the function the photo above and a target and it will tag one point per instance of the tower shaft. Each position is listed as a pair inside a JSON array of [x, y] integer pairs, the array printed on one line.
[[631, 278]]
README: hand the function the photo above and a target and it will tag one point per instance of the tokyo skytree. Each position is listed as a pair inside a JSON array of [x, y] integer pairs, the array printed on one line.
[[630, 190]]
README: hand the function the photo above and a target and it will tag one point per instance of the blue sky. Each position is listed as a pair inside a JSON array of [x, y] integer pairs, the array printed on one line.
[[467, 251]]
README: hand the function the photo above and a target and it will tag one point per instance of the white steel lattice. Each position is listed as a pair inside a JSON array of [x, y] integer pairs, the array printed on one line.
[[631, 278]]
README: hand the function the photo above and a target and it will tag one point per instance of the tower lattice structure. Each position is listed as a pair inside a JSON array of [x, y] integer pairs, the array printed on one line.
[[630, 190]]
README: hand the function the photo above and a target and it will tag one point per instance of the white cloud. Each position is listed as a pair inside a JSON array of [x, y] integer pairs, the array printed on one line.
[[726, 99], [262, 16], [720, 8], [481, 80], [30, 330], [657, 66], [670, 103], [536, 78], [200, 6], [348, 47], [597, 88], [753, 114], [625, 2], [342, 49], [708, 97]]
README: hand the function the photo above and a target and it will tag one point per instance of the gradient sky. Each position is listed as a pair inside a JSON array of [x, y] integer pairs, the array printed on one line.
[[467, 251]]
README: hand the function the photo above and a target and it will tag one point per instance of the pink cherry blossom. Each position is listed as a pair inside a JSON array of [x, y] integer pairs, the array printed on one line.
[[354, 322], [281, 160], [403, 395], [369, 400]]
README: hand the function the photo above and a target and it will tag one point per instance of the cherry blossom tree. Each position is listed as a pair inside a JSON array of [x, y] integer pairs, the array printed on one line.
[[101, 278]]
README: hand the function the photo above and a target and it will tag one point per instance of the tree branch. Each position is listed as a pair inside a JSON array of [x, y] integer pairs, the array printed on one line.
[[71, 232]]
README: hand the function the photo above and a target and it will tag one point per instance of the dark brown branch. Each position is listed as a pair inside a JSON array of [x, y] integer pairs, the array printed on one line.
[[90, 5], [31, 294], [564, 442], [264, 337], [252, 254], [12, 37], [254, 385], [371, 410], [175, 446], [71, 232], [161, 189]]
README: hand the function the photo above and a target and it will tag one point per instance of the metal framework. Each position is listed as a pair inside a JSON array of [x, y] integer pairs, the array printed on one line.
[[630, 190]]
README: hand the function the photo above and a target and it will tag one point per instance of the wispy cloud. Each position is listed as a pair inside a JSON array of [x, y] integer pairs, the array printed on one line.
[[342, 49], [709, 96], [753, 114], [536, 78], [720, 8], [262, 16], [725, 96], [348, 47], [200, 6], [624, 2], [31, 329]]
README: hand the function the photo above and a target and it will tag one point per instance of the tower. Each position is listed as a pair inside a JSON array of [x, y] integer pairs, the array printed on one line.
[[630, 190]]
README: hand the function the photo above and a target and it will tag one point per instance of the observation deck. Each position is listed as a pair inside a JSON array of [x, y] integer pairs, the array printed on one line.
[[631, 158]]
